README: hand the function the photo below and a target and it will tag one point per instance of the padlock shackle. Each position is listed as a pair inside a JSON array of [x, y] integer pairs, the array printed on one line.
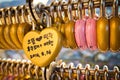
[[102, 8], [115, 7], [48, 17]]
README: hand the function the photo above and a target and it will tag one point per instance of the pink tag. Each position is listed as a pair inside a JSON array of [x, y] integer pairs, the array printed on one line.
[[91, 33], [80, 37]]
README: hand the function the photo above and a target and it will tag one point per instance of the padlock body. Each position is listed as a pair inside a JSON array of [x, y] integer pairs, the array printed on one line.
[[80, 27], [103, 34], [91, 33], [115, 33]]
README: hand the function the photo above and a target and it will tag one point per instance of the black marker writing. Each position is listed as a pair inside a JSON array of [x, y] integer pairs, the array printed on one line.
[[34, 55]]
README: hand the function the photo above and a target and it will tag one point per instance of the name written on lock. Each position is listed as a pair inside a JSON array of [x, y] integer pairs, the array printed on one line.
[[48, 52], [32, 42]]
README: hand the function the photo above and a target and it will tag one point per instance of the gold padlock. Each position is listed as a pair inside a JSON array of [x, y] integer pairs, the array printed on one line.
[[41, 47], [60, 23], [103, 30], [14, 27], [2, 26], [115, 29], [24, 27], [69, 30], [7, 29]]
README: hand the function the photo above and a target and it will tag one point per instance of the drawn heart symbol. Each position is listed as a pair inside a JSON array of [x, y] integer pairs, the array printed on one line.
[[42, 47]]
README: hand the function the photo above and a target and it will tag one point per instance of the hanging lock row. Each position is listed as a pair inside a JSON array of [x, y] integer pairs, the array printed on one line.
[[42, 47], [12, 69], [70, 72], [87, 32], [89, 36], [24, 69], [91, 32], [14, 24]]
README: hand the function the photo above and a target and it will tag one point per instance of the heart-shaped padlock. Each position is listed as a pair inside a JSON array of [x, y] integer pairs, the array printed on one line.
[[23, 27], [69, 30], [115, 28], [2, 26], [80, 27], [103, 30], [42, 47], [14, 27], [7, 29], [91, 29]]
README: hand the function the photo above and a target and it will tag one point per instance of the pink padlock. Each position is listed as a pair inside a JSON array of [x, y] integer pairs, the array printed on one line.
[[80, 27], [91, 29], [91, 33], [80, 37]]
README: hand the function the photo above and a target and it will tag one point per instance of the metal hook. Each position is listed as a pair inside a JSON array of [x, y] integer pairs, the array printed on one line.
[[91, 9], [96, 72], [3, 15], [52, 10], [8, 16], [48, 17], [16, 14], [79, 66], [70, 12], [27, 16], [51, 69], [80, 7], [87, 73], [13, 15], [59, 9], [105, 68], [23, 66], [8, 63], [17, 67], [37, 72], [102, 8], [116, 70], [115, 7], [2, 65], [12, 66], [62, 66], [30, 66], [21, 13], [70, 67], [54, 75]]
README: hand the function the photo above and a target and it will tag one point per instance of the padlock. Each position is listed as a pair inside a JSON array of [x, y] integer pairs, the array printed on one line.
[[115, 28], [2, 26], [42, 47], [14, 27], [24, 27], [80, 27], [63, 19], [69, 30], [7, 28], [91, 29], [103, 30], [56, 20]]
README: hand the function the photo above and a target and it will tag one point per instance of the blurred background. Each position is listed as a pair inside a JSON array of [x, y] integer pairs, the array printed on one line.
[[76, 56]]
